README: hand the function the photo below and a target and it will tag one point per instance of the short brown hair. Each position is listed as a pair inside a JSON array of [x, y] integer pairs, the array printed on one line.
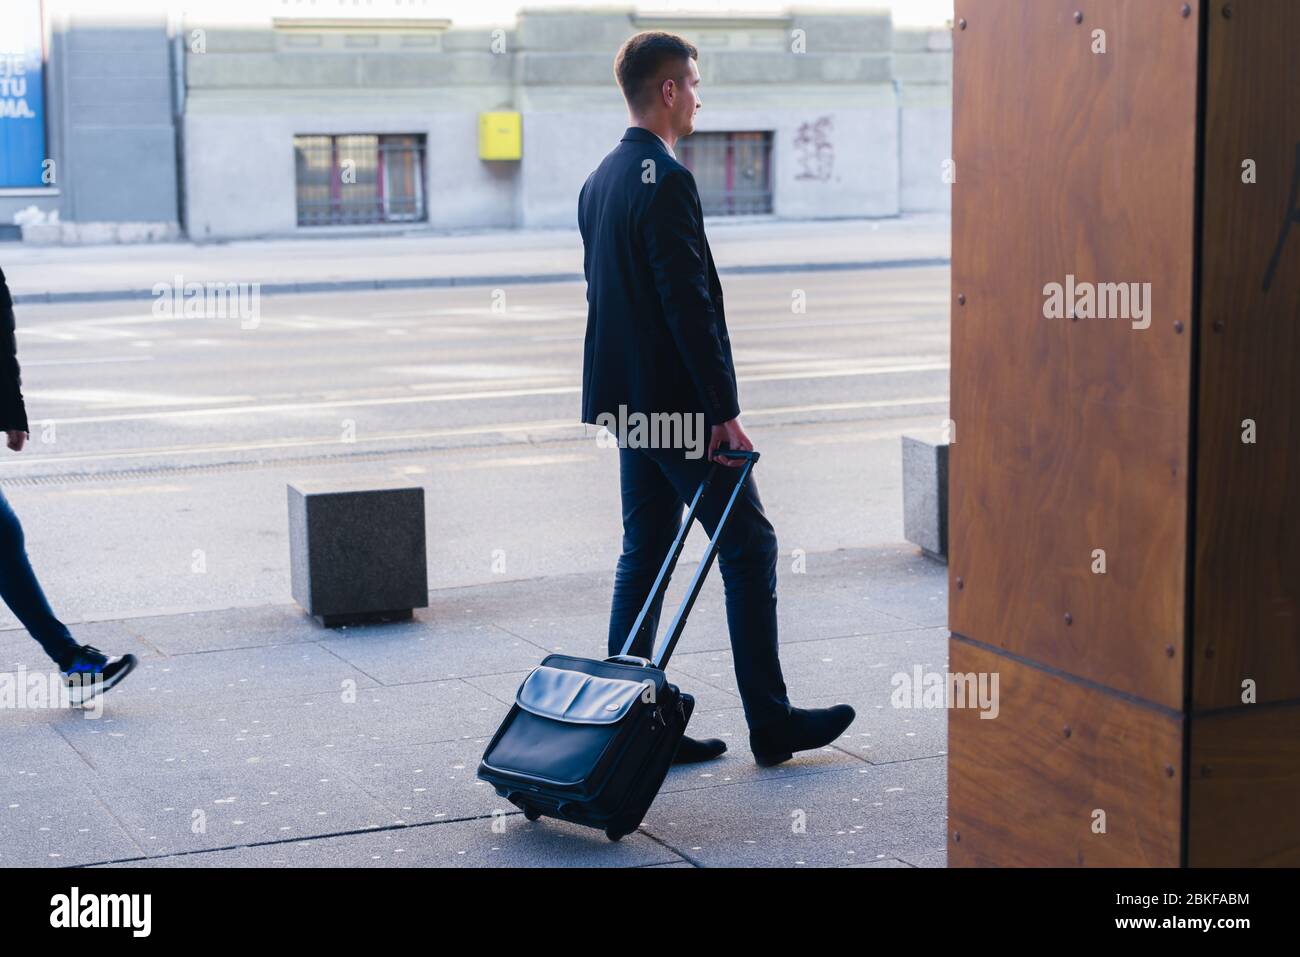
[[641, 59]]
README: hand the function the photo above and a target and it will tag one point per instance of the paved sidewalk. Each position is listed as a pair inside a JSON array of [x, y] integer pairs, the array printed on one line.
[[238, 741], [426, 258]]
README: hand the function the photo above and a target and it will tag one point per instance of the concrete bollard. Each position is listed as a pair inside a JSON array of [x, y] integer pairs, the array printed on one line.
[[357, 552], [925, 494]]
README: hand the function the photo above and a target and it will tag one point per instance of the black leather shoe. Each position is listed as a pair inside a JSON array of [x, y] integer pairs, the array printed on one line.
[[803, 730], [691, 751]]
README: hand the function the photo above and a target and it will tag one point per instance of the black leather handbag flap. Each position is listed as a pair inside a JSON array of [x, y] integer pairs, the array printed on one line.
[[574, 697]]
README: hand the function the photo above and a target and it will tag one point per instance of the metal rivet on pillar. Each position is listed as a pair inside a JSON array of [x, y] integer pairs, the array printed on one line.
[[1169, 651], [1169, 770], [1078, 16], [961, 24], [1187, 10], [956, 836], [1206, 771], [1066, 731], [1178, 325], [1218, 325], [1227, 11], [961, 299], [1069, 619], [1209, 652], [960, 584]]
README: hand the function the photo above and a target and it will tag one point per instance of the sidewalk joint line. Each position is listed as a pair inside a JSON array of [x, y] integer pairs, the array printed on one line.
[[299, 840], [642, 829]]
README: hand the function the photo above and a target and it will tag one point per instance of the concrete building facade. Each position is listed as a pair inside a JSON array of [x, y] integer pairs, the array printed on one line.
[[225, 133], [109, 167]]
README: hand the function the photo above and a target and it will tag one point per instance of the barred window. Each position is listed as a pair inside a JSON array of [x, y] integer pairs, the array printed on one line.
[[733, 171], [359, 178]]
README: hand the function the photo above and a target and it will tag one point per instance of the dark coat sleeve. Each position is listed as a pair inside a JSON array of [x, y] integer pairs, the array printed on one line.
[[582, 230], [674, 243], [13, 413]]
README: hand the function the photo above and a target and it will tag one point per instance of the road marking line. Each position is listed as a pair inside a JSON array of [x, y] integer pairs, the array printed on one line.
[[552, 425], [466, 396], [28, 363]]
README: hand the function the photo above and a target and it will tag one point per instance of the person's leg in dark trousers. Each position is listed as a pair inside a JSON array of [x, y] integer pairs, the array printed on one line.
[[652, 513], [747, 557], [22, 592], [656, 482]]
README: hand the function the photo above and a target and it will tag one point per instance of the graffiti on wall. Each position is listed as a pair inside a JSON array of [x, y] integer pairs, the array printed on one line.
[[814, 151]]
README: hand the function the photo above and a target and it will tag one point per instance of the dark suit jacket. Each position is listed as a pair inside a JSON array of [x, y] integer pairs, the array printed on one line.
[[13, 414], [656, 334]]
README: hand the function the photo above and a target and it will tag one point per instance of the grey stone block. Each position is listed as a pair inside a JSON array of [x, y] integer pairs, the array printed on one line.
[[423, 783], [925, 494], [923, 39], [61, 826], [544, 68], [855, 815], [239, 803], [569, 29], [829, 32], [506, 840], [357, 553], [393, 653], [152, 734], [926, 67]]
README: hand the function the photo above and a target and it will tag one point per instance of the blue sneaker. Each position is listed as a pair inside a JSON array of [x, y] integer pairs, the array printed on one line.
[[94, 672]]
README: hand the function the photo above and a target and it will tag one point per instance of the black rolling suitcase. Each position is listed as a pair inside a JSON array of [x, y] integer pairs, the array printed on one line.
[[591, 741]]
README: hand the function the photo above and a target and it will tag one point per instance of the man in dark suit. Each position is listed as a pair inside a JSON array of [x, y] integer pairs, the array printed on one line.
[[657, 345], [86, 669]]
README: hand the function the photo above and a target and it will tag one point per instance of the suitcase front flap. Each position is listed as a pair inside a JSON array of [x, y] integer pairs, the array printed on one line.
[[563, 725], [577, 698]]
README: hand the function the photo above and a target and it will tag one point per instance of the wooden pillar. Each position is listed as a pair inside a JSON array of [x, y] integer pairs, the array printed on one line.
[[1120, 557]]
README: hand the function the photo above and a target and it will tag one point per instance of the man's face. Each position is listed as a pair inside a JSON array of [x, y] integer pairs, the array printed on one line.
[[686, 100]]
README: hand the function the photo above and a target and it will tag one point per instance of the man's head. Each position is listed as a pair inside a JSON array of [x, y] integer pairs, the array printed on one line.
[[659, 77]]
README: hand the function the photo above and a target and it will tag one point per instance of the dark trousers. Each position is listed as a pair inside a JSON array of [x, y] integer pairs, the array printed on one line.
[[656, 483], [22, 592]]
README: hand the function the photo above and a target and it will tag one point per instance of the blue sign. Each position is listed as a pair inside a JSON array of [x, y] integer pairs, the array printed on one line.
[[22, 95]]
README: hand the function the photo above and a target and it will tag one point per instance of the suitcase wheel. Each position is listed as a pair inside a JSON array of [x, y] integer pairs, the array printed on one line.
[[612, 834], [531, 813]]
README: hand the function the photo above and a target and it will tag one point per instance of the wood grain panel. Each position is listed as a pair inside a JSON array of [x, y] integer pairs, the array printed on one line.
[[1022, 793], [1073, 436], [1247, 582], [1244, 790]]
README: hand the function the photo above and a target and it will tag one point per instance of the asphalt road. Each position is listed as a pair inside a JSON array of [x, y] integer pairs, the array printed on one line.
[[161, 446]]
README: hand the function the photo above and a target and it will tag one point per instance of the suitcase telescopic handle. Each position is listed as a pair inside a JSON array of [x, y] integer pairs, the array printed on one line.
[[659, 658], [630, 660]]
